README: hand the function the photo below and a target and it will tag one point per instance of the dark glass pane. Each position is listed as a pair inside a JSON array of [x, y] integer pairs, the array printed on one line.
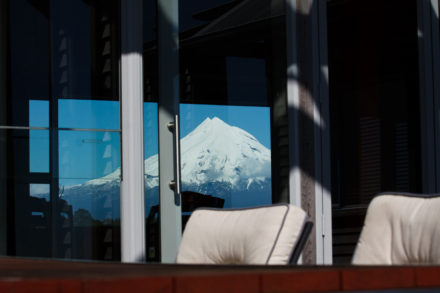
[[94, 209], [84, 44], [29, 59], [75, 216], [61, 188], [374, 105]]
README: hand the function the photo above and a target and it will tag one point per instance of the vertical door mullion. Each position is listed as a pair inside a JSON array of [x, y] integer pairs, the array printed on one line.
[[306, 23], [323, 187], [168, 50], [3, 95], [426, 92], [132, 161], [435, 33], [293, 104]]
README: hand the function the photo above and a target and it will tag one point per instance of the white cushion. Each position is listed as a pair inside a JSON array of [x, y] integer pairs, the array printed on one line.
[[400, 229], [263, 235]]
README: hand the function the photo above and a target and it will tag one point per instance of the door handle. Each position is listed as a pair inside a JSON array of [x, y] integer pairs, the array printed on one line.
[[173, 127]]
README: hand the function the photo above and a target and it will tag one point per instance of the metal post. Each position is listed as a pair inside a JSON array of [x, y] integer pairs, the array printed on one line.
[[132, 175]]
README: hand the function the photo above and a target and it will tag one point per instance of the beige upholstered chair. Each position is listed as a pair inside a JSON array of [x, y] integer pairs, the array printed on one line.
[[263, 235], [400, 229]]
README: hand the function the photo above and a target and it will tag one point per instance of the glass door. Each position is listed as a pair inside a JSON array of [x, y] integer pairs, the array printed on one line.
[[218, 69], [232, 104]]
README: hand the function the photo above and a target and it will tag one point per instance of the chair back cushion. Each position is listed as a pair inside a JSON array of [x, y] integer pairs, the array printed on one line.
[[400, 229], [262, 235]]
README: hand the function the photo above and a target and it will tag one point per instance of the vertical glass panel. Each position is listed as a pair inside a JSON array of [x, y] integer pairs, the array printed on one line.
[[89, 194], [374, 109], [151, 143], [233, 95], [39, 139], [29, 217], [39, 151], [62, 187]]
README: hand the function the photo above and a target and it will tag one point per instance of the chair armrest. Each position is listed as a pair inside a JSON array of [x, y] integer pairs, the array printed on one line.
[[305, 233]]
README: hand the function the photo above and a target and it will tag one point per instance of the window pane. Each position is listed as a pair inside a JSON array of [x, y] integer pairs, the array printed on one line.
[[86, 155], [38, 113], [89, 189], [91, 211], [225, 153], [61, 188], [374, 109], [39, 151], [233, 95], [88, 114]]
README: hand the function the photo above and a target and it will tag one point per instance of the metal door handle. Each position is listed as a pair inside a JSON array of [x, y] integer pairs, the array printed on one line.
[[173, 127]]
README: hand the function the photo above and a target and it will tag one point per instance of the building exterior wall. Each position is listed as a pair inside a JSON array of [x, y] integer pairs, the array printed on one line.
[[301, 110]]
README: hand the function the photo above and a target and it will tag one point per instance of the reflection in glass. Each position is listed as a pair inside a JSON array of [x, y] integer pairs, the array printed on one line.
[[40, 191], [87, 155], [226, 153], [246, 78], [95, 213], [89, 188], [39, 151], [38, 113], [374, 112], [88, 114], [232, 66], [62, 73], [151, 143], [89, 185]]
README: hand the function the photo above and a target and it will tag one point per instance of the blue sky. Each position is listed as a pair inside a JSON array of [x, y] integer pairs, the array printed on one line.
[[85, 155], [255, 120]]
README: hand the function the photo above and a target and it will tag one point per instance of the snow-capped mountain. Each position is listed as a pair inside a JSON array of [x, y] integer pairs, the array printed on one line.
[[218, 152], [216, 159]]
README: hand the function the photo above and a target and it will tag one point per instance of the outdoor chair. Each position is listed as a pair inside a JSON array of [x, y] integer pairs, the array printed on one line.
[[272, 235], [400, 229]]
